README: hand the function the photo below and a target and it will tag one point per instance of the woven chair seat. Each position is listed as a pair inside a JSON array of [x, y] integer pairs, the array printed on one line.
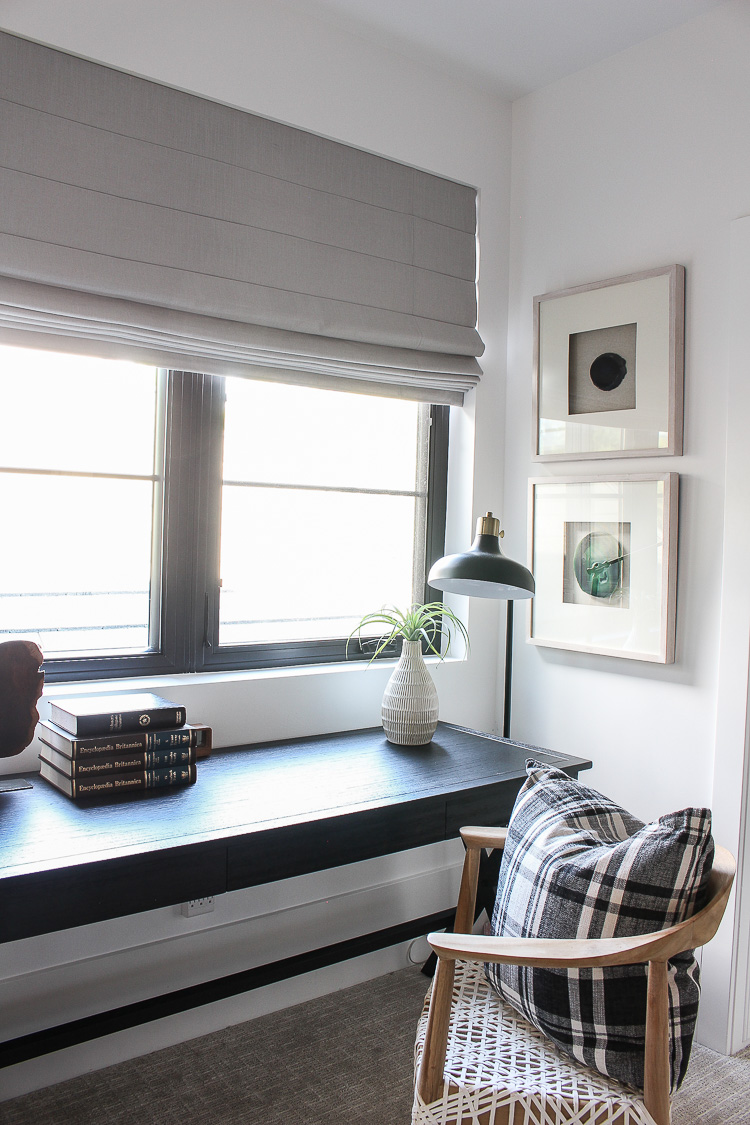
[[500, 1070]]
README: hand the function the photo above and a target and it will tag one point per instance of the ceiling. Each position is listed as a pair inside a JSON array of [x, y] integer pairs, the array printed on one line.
[[508, 46]]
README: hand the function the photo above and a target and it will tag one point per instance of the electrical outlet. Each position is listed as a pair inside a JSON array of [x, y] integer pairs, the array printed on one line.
[[198, 906]]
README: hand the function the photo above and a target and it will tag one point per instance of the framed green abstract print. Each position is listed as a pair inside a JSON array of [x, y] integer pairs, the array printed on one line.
[[604, 557]]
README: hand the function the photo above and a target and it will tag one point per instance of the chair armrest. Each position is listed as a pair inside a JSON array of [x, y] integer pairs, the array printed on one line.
[[475, 837], [559, 953]]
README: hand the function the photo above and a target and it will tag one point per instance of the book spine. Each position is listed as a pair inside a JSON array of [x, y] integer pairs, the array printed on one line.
[[139, 760], [124, 743], [129, 721], [162, 739], [124, 783]]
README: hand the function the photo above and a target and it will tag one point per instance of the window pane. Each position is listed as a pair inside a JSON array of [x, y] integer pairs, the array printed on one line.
[[79, 577], [76, 413], [78, 490], [305, 563], [296, 435], [305, 566]]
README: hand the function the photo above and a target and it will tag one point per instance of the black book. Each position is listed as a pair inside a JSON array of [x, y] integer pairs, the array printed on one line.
[[119, 763], [112, 784], [170, 738], [109, 714]]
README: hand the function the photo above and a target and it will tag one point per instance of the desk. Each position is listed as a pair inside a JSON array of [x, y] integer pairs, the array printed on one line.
[[256, 814]]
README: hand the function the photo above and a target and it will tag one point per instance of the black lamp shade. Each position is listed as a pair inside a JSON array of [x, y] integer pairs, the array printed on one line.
[[483, 571]]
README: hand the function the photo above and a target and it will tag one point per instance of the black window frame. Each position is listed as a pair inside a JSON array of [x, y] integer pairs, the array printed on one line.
[[185, 586]]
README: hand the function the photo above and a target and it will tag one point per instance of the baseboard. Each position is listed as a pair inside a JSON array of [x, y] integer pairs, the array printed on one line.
[[126, 1016]]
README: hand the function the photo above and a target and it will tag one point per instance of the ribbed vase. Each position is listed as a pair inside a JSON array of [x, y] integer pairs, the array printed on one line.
[[410, 702]]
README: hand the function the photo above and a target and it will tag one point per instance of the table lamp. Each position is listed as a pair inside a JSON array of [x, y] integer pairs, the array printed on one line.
[[484, 572]]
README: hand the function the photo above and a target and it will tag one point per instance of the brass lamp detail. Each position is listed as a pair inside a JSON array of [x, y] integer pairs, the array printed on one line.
[[489, 525]]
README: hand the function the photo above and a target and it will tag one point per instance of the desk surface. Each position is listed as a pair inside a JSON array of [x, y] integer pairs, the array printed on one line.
[[256, 814]]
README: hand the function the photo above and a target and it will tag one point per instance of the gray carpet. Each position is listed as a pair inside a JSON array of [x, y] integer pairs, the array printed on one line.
[[716, 1090], [344, 1059]]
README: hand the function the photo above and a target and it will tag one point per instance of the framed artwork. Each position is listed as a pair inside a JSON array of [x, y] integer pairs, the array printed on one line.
[[604, 558], [608, 368]]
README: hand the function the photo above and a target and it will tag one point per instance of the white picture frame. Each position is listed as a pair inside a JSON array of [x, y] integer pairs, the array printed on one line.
[[604, 557], [628, 411]]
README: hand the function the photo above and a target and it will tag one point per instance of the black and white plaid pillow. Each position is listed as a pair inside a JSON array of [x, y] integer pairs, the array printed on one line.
[[576, 865]]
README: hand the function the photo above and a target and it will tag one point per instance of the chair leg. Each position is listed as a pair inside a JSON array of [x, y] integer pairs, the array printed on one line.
[[656, 1068], [430, 1077]]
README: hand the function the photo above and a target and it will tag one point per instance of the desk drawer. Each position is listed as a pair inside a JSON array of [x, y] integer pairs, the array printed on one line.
[[46, 901], [280, 853]]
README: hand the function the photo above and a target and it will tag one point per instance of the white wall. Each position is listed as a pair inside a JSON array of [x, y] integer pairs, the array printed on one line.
[[263, 56], [638, 162]]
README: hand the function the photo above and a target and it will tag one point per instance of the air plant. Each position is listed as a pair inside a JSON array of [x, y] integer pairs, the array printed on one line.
[[431, 623]]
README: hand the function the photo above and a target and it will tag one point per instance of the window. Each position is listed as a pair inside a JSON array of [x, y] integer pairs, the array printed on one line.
[[161, 522]]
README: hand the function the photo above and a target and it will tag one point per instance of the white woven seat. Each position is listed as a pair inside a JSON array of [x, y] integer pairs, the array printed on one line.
[[499, 1068]]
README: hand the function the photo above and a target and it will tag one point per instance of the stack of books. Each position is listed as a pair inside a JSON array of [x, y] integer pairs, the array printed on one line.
[[102, 745]]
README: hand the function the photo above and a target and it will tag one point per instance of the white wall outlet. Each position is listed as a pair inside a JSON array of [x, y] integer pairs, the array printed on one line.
[[198, 906]]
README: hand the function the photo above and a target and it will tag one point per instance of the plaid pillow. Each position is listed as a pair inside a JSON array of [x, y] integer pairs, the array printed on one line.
[[576, 865]]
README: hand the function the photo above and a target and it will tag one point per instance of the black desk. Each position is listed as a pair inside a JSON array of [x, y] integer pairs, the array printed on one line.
[[255, 815]]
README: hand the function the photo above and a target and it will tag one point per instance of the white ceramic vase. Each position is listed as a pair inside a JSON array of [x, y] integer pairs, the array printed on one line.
[[410, 702]]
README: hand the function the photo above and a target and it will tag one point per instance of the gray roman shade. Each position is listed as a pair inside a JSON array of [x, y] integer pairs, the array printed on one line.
[[143, 222]]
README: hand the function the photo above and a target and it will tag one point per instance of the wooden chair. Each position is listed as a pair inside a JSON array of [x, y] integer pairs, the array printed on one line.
[[479, 1063]]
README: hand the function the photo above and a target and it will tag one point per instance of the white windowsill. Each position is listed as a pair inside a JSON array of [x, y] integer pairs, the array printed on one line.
[[64, 688]]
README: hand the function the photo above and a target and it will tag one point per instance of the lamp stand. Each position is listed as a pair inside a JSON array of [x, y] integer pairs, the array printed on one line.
[[508, 669]]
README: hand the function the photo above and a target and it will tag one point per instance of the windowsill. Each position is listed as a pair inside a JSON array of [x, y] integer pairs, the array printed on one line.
[[233, 676]]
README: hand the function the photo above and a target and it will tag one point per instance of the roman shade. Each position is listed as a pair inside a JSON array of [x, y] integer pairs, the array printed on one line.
[[148, 223]]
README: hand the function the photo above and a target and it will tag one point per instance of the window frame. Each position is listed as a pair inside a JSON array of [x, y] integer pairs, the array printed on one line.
[[185, 579]]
